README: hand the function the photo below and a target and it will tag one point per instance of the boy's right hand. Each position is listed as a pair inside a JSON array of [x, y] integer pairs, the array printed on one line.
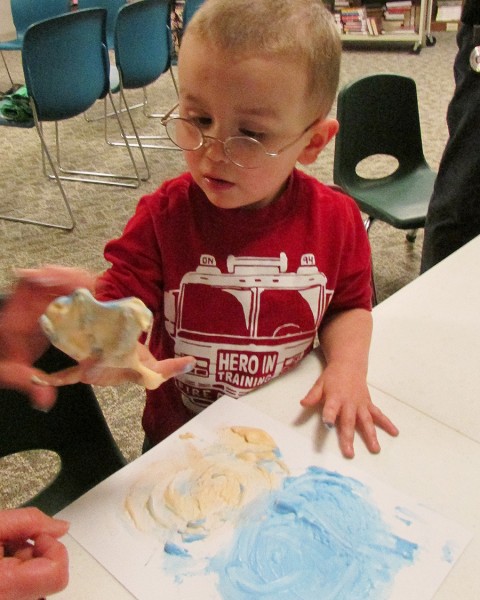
[[95, 373], [43, 286]]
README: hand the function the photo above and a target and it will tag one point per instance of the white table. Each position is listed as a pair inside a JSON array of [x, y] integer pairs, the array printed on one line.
[[426, 342], [429, 461]]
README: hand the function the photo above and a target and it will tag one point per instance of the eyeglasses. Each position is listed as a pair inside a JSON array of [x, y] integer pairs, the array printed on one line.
[[241, 150]]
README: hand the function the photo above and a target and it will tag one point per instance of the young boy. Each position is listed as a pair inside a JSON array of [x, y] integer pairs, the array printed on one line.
[[244, 258]]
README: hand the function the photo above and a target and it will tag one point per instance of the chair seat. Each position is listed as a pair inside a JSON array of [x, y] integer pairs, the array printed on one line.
[[399, 201]]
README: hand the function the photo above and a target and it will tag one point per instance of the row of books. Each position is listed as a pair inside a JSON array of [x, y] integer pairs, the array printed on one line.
[[373, 18], [393, 5], [448, 10]]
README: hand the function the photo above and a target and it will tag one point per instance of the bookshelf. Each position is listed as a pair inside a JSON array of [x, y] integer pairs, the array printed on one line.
[[404, 22], [446, 15]]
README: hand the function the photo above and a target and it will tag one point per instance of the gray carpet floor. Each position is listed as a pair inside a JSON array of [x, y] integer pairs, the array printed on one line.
[[101, 211]]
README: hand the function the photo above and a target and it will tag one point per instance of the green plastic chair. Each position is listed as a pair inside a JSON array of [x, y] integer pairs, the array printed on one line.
[[378, 115], [75, 429]]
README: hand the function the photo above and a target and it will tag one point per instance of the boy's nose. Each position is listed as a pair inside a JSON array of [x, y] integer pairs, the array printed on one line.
[[215, 149]]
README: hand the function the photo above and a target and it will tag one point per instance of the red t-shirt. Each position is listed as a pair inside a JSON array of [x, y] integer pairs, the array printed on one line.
[[242, 290]]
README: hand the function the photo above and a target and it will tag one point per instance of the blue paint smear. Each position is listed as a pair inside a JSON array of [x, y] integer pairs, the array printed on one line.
[[174, 549], [448, 553], [318, 537]]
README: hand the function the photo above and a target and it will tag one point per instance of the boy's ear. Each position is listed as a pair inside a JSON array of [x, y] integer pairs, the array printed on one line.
[[320, 134]]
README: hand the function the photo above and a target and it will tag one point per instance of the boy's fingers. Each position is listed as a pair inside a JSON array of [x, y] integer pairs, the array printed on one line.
[[314, 395], [383, 421], [369, 433], [171, 367], [346, 431], [64, 377], [96, 372]]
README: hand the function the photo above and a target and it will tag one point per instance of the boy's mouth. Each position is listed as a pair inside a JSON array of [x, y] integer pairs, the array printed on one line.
[[217, 183]]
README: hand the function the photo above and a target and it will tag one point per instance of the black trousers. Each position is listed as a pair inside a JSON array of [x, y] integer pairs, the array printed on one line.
[[453, 216]]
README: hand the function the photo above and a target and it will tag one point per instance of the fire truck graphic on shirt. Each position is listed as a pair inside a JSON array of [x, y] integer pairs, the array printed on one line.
[[244, 326]]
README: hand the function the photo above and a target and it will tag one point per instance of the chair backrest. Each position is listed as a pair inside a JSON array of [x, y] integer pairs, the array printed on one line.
[[112, 7], [378, 114], [27, 12], [142, 42], [189, 9], [75, 429], [65, 63]]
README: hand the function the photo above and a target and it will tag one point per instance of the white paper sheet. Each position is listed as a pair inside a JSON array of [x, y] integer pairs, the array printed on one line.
[[334, 532]]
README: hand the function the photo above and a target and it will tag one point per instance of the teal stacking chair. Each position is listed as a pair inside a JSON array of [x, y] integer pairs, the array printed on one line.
[[66, 70], [112, 7], [75, 430], [142, 44], [189, 9], [378, 116], [24, 14], [66, 67]]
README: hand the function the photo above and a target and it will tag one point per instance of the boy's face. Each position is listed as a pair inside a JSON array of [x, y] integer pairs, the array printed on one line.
[[259, 96]]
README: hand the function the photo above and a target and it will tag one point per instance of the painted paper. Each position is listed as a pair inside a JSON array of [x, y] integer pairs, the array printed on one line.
[[236, 506]]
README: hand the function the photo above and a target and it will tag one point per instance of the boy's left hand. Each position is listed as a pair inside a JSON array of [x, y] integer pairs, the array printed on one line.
[[347, 405]]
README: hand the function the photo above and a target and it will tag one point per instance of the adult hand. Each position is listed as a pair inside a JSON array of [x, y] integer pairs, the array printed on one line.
[[33, 563], [22, 341]]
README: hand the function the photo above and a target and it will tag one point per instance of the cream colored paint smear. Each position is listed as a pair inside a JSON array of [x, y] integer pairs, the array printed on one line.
[[208, 486]]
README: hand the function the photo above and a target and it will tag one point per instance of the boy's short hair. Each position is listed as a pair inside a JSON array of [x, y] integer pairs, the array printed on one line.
[[299, 29]]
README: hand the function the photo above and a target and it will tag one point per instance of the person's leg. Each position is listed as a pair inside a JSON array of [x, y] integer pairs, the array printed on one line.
[[454, 212]]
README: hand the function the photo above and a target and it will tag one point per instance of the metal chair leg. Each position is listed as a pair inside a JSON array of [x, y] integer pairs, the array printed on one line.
[[145, 104], [137, 144], [412, 235], [136, 140], [6, 68], [98, 177], [45, 152], [145, 139], [120, 110]]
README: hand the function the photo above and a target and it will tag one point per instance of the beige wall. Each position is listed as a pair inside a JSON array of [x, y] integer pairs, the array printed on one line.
[[7, 28]]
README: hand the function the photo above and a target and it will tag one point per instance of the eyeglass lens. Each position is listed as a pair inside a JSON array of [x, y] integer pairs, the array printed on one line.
[[184, 134], [242, 151]]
